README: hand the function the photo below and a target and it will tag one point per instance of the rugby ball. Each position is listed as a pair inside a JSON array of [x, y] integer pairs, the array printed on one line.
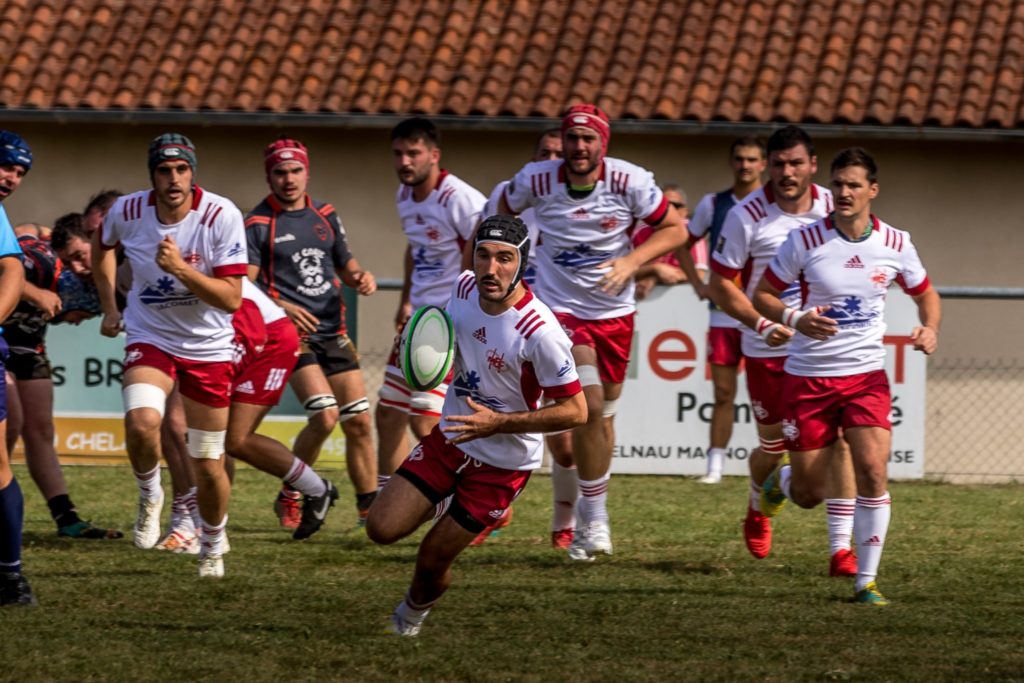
[[427, 348]]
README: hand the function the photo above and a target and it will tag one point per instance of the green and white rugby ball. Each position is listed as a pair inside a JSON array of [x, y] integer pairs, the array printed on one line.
[[427, 349]]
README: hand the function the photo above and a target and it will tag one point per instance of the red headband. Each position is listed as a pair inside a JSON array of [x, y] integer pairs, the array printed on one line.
[[588, 116], [281, 151]]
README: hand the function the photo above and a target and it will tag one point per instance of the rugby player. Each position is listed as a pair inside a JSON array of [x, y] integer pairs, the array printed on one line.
[[489, 440]]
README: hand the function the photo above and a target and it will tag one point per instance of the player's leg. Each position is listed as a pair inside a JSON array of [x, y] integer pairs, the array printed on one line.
[[360, 457], [592, 455], [14, 588], [391, 419], [145, 391], [564, 489], [207, 426], [840, 502], [14, 412], [183, 531], [44, 466], [723, 378], [870, 447], [314, 393]]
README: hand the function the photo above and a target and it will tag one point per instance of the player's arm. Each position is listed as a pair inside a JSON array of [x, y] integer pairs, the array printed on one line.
[[104, 276], [669, 234], [223, 292], [12, 280], [404, 307], [46, 301], [353, 275], [689, 268], [929, 312], [778, 320], [565, 413]]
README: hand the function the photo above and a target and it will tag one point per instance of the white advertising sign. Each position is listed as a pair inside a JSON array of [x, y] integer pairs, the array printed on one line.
[[664, 415]]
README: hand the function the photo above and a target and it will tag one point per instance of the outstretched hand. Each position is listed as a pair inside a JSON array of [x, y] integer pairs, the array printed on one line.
[[482, 423]]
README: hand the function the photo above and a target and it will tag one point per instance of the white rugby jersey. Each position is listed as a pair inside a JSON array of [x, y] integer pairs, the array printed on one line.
[[161, 310], [269, 310], [578, 234], [852, 278], [527, 216], [506, 362], [751, 235], [437, 229], [700, 224]]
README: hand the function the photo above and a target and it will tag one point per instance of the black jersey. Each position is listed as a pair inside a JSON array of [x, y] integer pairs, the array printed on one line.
[[25, 329], [299, 254]]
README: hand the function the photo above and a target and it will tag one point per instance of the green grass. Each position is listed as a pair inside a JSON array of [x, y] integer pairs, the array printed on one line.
[[681, 600]]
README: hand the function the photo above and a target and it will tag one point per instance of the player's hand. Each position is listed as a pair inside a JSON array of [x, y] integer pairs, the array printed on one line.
[[925, 339], [48, 302], [75, 317], [482, 423], [702, 291], [403, 315], [111, 324], [168, 256], [366, 284], [618, 273], [668, 274], [643, 287], [817, 326], [779, 335], [304, 321]]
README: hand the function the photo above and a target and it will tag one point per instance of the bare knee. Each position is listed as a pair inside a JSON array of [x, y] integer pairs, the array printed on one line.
[[357, 427], [323, 422], [378, 530], [142, 424]]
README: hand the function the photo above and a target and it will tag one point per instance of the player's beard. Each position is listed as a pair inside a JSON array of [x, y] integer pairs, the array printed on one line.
[[418, 178]]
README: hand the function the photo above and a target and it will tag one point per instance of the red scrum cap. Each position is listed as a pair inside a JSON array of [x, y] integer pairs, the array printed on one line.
[[588, 116], [283, 150]]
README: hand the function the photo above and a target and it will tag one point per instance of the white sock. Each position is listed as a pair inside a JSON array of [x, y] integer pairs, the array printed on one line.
[[181, 511], [413, 615], [870, 526], [149, 484], [839, 512], [716, 456], [565, 489], [211, 537], [382, 480], [755, 496], [785, 479], [193, 507], [301, 477], [593, 504]]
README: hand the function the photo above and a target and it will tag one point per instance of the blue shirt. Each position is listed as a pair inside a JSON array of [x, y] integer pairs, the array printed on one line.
[[8, 242]]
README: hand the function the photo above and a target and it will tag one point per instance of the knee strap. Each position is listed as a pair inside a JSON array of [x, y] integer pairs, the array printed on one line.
[[350, 410], [318, 403], [144, 395]]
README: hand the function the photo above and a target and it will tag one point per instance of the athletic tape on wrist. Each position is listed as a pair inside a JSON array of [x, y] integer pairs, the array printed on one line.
[[204, 445], [764, 327], [791, 316], [144, 396]]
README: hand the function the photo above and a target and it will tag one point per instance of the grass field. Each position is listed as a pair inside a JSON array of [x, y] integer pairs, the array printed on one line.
[[681, 600]]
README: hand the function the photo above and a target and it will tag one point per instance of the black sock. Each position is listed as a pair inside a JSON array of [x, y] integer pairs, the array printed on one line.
[[63, 510], [365, 500]]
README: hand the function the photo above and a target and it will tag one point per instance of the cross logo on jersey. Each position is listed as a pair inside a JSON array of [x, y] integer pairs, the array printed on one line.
[[467, 385], [496, 361], [581, 256], [481, 335]]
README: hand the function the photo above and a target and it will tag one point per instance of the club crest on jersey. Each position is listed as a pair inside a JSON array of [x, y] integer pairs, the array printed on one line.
[[496, 361], [467, 385], [310, 264], [609, 223], [426, 268], [132, 356], [433, 234], [417, 453], [581, 256], [790, 430], [850, 315], [192, 258], [164, 295], [321, 232], [759, 410], [880, 278]]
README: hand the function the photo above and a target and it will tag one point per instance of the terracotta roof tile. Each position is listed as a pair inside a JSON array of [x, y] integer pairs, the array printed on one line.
[[906, 62]]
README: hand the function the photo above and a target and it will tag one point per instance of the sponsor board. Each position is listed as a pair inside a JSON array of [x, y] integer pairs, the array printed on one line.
[[667, 431]]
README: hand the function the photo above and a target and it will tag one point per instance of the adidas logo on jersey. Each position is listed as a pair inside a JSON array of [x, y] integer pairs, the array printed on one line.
[[245, 388], [855, 262], [481, 335], [579, 214]]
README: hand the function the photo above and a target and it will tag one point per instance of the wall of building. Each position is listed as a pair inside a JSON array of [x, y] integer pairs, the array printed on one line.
[[961, 200]]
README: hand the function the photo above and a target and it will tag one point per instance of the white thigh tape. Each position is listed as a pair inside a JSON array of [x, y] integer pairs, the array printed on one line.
[[609, 408], [588, 375], [144, 396]]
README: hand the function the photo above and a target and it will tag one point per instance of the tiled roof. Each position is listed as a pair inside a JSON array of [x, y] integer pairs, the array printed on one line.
[[947, 63]]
